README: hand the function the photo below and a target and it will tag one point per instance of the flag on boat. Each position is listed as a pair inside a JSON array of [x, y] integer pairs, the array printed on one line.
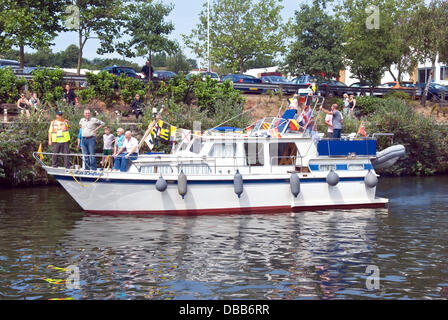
[[149, 141], [265, 125], [275, 133], [185, 135], [362, 129], [39, 151], [293, 125]]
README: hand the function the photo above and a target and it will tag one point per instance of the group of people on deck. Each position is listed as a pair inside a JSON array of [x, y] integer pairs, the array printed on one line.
[[333, 119], [117, 150]]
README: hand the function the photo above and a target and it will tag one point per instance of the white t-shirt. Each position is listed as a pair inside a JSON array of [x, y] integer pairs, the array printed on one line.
[[129, 144], [329, 118]]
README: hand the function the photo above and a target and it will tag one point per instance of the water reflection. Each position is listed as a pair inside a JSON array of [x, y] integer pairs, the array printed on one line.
[[311, 255]]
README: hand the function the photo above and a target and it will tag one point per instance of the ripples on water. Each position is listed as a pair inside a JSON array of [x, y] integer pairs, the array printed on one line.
[[312, 255]]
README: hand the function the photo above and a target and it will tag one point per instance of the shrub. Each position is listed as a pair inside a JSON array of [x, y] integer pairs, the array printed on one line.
[[47, 83], [129, 87], [425, 140], [396, 94], [101, 87], [10, 86], [366, 105]]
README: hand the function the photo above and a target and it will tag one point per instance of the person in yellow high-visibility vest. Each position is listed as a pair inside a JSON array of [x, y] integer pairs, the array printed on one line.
[[59, 138]]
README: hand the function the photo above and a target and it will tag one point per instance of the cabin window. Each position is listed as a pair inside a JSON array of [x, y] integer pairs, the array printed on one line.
[[254, 154], [163, 169], [283, 154], [356, 167], [196, 146], [223, 150], [195, 169], [327, 167]]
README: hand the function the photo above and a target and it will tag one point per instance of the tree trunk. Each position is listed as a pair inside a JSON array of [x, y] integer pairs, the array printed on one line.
[[425, 92], [392, 74], [241, 66], [22, 56]]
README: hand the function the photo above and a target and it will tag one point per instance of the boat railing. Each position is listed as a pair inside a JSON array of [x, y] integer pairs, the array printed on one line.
[[209, 165]]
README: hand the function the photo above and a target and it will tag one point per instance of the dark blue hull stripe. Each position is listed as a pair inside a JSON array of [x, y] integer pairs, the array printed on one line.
[[153, 181]]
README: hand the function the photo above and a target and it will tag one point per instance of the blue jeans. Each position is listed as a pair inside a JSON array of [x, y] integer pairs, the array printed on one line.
[[88, 148], [337, 133], [121, 163]]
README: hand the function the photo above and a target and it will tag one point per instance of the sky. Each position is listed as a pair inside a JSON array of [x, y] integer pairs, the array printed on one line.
[[184, 16]]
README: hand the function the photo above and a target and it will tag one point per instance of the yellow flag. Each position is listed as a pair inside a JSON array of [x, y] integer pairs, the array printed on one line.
[[39, 151]]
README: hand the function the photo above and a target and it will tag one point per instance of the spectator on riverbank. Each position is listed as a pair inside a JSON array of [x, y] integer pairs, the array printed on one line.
[[352, 104], [130, 146], [345, 102], [336, 120], [137, 106], [24, 105], [89, 127], [59, 138], [69, 95], [34, 101], [148, 71]]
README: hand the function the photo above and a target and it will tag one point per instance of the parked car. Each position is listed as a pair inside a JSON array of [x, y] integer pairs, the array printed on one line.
[[277, 80], [164, 75], [435, 91], [305, 80], [337, 88], [29, 70], [398, 85], [4, 63], [204, 74], [246, 79], [118, 71], [366, 87]]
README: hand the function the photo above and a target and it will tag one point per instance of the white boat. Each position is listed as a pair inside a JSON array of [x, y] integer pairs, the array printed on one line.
[[224, 173]]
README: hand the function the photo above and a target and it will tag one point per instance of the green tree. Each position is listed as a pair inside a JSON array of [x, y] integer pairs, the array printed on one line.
[[178, 63], [430, 30], [377, 35], [159, 60], [100, 19], [147, 29], [318, 43], [240, 31], [29, 23]]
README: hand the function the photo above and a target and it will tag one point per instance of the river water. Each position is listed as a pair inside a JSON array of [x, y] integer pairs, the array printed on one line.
[[399, 253]]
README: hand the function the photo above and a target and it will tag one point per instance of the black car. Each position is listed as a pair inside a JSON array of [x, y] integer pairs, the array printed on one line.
[[246, 80], [164, 75], [118, 71], [337, 88], [278, 80], [435, 91]]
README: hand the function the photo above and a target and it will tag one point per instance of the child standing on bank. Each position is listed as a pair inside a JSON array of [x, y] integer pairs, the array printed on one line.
[[108, 140]]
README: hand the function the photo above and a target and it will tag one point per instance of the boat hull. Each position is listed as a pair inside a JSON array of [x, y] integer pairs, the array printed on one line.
[[113, 195]]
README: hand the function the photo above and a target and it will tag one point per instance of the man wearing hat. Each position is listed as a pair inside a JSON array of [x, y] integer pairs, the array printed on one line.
[[59, 138]]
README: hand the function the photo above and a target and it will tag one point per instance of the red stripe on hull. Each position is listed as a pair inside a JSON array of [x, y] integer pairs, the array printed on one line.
[[254, 210]]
